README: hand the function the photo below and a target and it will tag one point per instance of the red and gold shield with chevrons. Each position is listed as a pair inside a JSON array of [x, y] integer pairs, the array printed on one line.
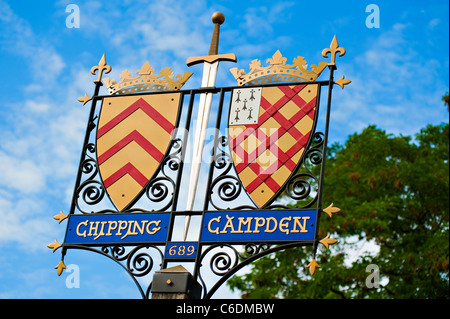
[[133, 135], [269, 130]]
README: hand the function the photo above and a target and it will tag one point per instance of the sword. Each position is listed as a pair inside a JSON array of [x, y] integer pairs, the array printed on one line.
[[210, 65]]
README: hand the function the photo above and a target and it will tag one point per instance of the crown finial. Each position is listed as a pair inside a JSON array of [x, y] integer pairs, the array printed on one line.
[[278, 71], [146, 80]]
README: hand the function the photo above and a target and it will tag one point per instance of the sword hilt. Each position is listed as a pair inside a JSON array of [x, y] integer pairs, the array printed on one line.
[[217, 18]]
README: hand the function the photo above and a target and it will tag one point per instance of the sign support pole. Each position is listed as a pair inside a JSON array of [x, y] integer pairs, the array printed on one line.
[[175, 283]]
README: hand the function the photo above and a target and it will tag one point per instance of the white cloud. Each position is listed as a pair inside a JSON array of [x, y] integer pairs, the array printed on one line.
[[433, 23], [21, 175], [37, 106]]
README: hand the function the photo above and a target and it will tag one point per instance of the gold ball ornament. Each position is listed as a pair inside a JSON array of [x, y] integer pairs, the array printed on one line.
[[218, 17]]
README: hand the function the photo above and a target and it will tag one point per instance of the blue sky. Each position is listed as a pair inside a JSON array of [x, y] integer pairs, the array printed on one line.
[[399, 73]]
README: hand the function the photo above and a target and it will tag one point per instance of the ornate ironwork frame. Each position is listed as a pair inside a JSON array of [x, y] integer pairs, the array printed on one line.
[[162, 192]]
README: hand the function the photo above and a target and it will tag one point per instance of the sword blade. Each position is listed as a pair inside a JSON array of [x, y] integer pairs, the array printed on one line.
[[204, 107]]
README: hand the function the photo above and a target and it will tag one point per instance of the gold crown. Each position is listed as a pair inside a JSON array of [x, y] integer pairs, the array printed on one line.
[[146, 80], [278, 71]]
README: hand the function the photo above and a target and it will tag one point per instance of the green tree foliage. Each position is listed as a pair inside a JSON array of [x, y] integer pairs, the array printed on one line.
[[394, 195]]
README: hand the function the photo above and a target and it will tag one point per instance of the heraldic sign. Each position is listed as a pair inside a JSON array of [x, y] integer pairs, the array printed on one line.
[[138, 176]]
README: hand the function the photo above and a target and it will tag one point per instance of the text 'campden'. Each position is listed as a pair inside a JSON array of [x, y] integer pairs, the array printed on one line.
[[263, 225], [258, 224]]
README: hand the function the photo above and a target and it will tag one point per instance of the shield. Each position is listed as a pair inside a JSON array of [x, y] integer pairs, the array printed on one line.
[[269, 130], [133, 135]]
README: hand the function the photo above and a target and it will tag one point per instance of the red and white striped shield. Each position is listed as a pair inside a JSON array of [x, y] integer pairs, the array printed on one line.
[[269, 129], [133, 135]]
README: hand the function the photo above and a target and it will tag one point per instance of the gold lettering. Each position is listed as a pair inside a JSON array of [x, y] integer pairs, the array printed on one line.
[[268, 225], [122, 226], [129, 232], [284, 226], [83, 234], [215, 231], [141, 230], [229, 224], [297, 221], [154, 229], [110, 222], [101, 233], [93, 228], [247, 222], [259, 222]]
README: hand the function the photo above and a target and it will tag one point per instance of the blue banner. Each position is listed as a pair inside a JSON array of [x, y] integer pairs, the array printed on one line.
[[263, 225], [181, 250], [117, 228]]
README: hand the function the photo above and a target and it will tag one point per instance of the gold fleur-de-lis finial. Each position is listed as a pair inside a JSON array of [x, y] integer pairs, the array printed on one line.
[[60, 217], [312, 266], [333, 49], [60, 267], [102, 66]]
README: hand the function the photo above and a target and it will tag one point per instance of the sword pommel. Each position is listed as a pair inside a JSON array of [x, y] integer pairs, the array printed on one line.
[[217, 18]]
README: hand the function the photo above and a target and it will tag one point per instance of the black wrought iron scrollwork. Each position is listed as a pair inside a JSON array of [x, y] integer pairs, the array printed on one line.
[[302, 186], [225, 188], [91, 191], [174, 157], [160, 189], [139, 262], [252, 249], [314, 154], [117, 252], [89, 164], [221, 262]]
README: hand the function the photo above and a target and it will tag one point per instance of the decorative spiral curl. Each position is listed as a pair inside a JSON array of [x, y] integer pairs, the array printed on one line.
[[140, 264], [158, 190], [92, 192], [314, 155], [220, 263], [299, 188], [252, 249], [117, 251]]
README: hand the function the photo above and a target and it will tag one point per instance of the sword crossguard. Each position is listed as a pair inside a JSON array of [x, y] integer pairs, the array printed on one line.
[[217, 18]]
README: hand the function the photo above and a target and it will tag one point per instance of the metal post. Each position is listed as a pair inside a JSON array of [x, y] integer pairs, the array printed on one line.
[[175, 283]]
